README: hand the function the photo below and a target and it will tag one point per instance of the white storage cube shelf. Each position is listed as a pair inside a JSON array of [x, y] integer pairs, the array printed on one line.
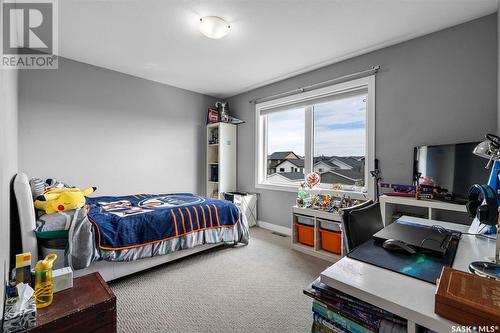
[[317, 219], [221, 159]]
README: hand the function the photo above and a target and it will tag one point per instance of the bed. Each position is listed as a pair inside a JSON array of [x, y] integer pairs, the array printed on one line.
[[137, 232]]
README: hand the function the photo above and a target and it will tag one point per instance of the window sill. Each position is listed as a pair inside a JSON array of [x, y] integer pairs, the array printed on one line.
[[294, 189], [277, 187]]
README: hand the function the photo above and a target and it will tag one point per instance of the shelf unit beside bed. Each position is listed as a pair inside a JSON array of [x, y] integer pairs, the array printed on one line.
[[221, 159]]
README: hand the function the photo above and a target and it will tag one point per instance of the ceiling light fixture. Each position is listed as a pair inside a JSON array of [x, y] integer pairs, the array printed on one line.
[[213, 27]]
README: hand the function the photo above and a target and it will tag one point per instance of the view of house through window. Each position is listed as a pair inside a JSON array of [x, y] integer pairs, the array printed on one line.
[[338, 144], [285, 146], [339, 140]]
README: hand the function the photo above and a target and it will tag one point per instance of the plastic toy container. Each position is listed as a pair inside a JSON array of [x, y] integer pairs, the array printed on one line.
[[331, 240], [305, 234], [305, 220], [329, 225]]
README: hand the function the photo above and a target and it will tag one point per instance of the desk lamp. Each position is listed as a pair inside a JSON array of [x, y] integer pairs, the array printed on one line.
[[490, 149]]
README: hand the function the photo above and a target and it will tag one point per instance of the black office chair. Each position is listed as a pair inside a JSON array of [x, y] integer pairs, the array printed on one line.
[[360, 223]]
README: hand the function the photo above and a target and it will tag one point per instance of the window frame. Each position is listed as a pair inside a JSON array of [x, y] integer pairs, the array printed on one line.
[[309, 97]]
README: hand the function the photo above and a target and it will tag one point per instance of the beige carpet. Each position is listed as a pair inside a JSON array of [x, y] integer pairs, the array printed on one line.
[[254, 288]]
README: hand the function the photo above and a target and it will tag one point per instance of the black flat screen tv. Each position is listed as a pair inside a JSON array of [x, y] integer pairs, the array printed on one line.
[[452, 166]]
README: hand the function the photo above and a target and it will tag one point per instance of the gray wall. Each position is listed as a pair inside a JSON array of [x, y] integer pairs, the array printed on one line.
[[439, 88], [90, 126], [8, 165]]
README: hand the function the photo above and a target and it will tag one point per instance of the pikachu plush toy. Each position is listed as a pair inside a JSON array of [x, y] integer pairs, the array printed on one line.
[[62, 199]]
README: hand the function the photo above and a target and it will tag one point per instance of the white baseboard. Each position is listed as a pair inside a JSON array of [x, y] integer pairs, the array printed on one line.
[[275, 228]]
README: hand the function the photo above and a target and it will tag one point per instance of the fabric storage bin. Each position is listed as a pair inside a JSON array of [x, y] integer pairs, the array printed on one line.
[[329, 225], [53, 242], [305, 234], [331, 241], [305, 220]]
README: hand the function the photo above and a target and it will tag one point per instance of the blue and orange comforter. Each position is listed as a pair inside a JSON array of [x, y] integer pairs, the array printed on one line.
[[136, 226]]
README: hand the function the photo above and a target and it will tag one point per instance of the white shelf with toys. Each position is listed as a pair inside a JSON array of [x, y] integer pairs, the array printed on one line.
[[308, 222], [316, 222]]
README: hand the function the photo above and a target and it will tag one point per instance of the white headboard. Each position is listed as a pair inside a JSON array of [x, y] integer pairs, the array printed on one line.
[[27, 218]]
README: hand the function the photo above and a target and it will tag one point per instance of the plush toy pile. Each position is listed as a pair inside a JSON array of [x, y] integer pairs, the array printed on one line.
[[62, 199], [53, 196]]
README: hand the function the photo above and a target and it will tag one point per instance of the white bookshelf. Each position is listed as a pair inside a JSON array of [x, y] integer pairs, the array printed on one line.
[[221, 155], [315, 250], [390, 204]]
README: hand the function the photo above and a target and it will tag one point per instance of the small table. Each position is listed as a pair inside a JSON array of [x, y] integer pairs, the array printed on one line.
[[405, 296], [90, 306]]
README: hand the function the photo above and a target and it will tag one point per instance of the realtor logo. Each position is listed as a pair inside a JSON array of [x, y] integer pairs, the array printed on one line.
[[29, 34]]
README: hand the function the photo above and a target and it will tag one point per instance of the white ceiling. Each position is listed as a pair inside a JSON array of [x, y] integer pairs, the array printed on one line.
[[269, 40]]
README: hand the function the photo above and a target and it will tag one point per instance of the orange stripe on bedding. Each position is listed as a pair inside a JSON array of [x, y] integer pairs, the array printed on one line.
[[210, 212], [175, 223], [216, 214], [183, 224], [190, 218], [197, 217], [204, 217]]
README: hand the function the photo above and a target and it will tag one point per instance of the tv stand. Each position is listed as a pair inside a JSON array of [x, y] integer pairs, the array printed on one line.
[[389, 204]]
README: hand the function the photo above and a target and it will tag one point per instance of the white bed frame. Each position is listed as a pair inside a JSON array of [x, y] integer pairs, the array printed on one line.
[[108, 270]]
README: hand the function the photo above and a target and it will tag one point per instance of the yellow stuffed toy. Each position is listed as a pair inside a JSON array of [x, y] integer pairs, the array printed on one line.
[[62, 199]]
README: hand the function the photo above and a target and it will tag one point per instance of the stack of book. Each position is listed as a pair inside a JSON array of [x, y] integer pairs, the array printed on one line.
[[334, 311]]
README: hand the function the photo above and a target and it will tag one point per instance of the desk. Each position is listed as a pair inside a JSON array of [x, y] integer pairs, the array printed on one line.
[[405, 296]]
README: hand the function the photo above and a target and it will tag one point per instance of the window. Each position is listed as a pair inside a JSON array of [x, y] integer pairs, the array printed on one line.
[[340, 139], [285, 142], [329, 130]]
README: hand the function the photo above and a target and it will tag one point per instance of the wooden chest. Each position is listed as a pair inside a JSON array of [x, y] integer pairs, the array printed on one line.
[[90, 306]]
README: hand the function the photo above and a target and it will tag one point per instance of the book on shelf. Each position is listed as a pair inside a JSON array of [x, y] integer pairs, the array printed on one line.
[[350, 325], [468, 299], [371, 322], [354, 308], [321, 325]]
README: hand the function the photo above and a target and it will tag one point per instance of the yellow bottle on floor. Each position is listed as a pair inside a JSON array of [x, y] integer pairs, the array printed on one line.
[[43, 281]]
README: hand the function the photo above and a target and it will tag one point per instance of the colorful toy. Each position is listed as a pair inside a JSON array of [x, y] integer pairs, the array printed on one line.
[[312, 179], [337, 187], [62, 199], [426, 181], [315, 200], [325, 203], [302, 196]]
